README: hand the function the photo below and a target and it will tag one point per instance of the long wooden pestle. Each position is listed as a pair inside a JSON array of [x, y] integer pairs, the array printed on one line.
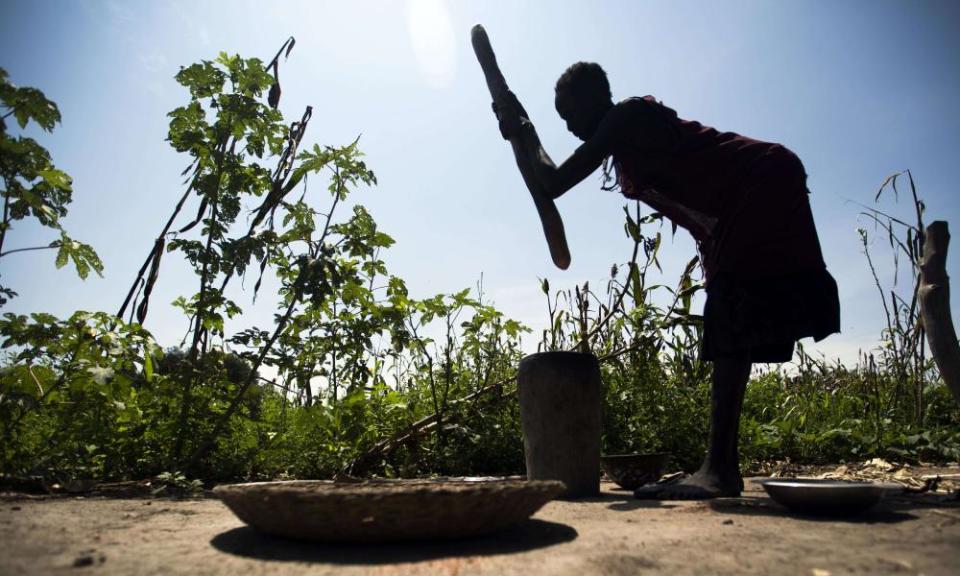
[[549, 216]]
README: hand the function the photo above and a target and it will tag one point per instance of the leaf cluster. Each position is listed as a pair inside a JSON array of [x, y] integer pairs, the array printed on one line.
[[33, 187]]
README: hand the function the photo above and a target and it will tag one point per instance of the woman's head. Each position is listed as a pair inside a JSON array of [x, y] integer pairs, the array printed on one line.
[[583, 98]]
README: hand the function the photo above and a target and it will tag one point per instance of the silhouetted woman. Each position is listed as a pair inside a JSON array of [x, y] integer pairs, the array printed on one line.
[[744, 202]]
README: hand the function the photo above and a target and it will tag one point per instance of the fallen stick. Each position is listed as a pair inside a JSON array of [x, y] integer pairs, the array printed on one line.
[[428, 423]]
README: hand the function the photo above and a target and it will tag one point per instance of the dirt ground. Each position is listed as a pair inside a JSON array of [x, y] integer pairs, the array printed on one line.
[[613, 534]]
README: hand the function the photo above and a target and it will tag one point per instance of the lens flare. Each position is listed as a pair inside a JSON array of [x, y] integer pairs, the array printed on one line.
[[431, 33]]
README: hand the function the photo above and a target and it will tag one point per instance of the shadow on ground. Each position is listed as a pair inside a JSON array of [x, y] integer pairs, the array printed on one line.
[[621, 500], [883, 513], [530, 535]]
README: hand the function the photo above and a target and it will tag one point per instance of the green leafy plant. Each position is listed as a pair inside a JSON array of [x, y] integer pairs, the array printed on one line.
[[33, 187], [228, 129], [71, 393], [175, 484]]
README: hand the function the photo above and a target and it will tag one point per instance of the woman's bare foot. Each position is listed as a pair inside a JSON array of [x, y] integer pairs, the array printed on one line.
[[701, 486]]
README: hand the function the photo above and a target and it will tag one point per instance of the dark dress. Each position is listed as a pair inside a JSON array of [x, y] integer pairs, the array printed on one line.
[[745, 203]]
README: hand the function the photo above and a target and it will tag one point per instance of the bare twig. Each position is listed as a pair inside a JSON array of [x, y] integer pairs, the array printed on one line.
[[15, 250]]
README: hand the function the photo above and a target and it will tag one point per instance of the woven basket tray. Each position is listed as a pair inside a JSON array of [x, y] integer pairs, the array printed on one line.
[[386, 510]]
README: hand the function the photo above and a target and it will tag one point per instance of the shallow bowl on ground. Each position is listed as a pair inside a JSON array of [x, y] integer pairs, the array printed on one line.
[[631, 471], [826, 497], [386, 510]]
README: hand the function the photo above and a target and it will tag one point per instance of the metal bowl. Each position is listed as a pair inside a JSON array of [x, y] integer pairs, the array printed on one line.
[[630, 471], [825, 497]]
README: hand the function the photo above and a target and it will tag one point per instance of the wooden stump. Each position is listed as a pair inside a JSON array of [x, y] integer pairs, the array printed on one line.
[[560, 401], [935, 306]]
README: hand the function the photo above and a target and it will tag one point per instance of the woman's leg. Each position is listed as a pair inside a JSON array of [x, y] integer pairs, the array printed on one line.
[[720, 473], [730, 377]]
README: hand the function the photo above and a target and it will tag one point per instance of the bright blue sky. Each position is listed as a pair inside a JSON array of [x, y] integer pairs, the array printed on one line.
[[857, 89]]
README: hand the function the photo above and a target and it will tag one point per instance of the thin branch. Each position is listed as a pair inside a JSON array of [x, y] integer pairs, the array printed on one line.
[[36, 380], [890, 233], [163, 233], [5, 223], [208, 443], [14, 251]]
